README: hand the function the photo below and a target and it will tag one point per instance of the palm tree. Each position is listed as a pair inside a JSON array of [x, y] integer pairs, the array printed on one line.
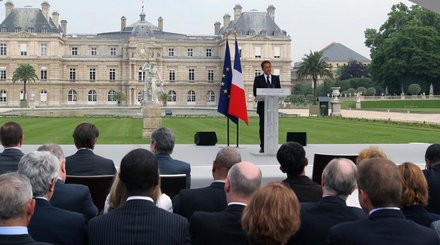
[[24, 73], [315, 66]]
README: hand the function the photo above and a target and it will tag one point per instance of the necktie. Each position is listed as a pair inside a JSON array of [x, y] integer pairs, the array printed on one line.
[[268, 82]]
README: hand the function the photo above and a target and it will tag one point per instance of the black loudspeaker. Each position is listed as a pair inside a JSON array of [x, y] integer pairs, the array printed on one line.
[[299, 137], [205, 138]]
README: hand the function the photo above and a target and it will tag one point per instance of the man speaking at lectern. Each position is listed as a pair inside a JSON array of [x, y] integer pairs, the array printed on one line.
[[266, 80]]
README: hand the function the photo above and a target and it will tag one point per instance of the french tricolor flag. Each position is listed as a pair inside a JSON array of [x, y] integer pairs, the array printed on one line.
[[237, 101]]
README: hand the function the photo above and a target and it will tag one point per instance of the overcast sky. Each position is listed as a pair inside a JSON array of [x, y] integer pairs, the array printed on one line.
[[312, 24]]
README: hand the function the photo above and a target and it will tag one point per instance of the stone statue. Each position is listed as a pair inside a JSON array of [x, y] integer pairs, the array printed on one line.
[[153, 83]]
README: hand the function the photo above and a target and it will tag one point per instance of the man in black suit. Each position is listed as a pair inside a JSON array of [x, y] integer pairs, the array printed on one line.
[[16, 209], [162, 145], [139, 221], [292, 158], [72, 197], [266, 80], [432, 174], [380, 191], [338, 182], [50, 224], [211, 198], [84, 162], [225, 227], [11, 136]]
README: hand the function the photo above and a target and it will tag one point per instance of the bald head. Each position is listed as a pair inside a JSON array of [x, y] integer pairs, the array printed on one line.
[[339, 177], [244, 179]]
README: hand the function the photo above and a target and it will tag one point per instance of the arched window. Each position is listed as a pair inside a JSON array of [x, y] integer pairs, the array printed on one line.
[[3, 96], [91, 96], [141, 75], [111, 95], [72, 95], [172, 96], [43, 95], [191, 97], [210, 96], [140, 96]]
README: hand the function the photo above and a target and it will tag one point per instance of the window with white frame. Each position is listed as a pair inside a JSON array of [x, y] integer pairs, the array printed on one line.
[[276, 52], [240, 50], [111, 95], [191, 96], [172, 96], [92, 74], [172, 74], [210, 75], [3, 96], [190, 52], [72, 74], [2, 73], [3, 49], [113, 51], [92, 96], [112, 74], [43, 95], [93, 51], [23, 49], [210, 96], [72, 96], [171, 52], [141, 75], [4, 29], [74, 51], [17, 29], [43, 49], [257, 72], [191, 74], [43, 73], [257, 52], [208, 52], [140, 96]]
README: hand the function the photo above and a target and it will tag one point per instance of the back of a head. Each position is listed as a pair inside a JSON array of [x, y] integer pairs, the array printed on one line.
[[244, 179], [292, 157], [227, 157], [381, 180], [164, 140], [433, 154], [15, 194], [414, 185], [11, 134], [139, 172], [272, 216], [41, 167], [340, 176], [55, 149], [85, 135], [371, 152]]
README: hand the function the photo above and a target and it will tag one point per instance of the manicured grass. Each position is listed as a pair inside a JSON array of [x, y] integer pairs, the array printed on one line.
[[415, 106], [320, 130]]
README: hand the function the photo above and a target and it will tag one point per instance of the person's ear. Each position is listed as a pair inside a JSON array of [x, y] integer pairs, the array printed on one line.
[[227, 186], [428, 164], [306, 161], [322, 180], [21, 140], [30, 207], [214, 166], [52, 185], [282, 169], [353, 188]]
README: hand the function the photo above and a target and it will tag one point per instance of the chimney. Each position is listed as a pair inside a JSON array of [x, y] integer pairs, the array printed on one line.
[[9, 6], [226, 20], [160, 23], [123, 23], [237, 12], [217, 26], [45, 6], [64, 26], [271, 11], [56, 19]]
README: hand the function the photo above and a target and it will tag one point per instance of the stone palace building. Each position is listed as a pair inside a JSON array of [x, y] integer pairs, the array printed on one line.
[[88, 70]]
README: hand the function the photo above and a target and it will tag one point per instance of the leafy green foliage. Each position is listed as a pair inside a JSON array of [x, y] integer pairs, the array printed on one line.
[[353, 69], [414, 89], [24, 73]]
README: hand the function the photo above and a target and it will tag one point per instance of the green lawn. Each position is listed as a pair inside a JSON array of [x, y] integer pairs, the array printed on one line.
[[319, 130], [415, 106]]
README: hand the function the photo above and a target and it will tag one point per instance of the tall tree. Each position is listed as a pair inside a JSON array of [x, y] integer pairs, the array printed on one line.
[[313, 65], [353, 69], [24, 73]]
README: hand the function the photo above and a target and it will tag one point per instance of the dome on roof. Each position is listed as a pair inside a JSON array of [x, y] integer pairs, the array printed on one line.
[[142, 28]]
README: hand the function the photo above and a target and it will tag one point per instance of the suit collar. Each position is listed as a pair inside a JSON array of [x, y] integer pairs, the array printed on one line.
[[235, 208], [335, 200], [139, 203], [299, 179], [387, 213], [42, 202], [12, 151], [415, 209], [217, 185], [163, 156], [84, 151]]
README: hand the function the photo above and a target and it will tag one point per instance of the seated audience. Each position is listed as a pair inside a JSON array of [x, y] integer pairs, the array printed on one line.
[[118, 195], [11, 137], [50, 224], [213, 197], [380, 191], [16, 209], [162, 145], [71, 197], [225, 227], [293, 161], [415, 195], [432, 175], [371, 152], [84, 162], [338, 182], [272, 215], [139, 221]]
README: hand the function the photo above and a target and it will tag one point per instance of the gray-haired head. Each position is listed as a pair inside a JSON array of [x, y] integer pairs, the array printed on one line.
[[164, 140], [15, 194], [340, 176], [244, 178], [54, 149], [227, 157], [41, 167]]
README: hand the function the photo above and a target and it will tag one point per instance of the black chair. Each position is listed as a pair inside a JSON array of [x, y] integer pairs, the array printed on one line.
[[321, 160], [172, 184], [99, 186]]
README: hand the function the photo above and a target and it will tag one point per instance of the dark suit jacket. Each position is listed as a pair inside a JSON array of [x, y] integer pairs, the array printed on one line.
[[168, 165], [9, 159], [305, 189], [85, 163], [19, 240], [260, 82], [139, 222], [318, 218], [420, 215], [74, 197], [382, 227], [57, 226], [433, 178], [208, 199], [218, 228]]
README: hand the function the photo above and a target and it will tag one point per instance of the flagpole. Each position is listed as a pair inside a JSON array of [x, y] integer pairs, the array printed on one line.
[[227, 118], [238, 121]]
